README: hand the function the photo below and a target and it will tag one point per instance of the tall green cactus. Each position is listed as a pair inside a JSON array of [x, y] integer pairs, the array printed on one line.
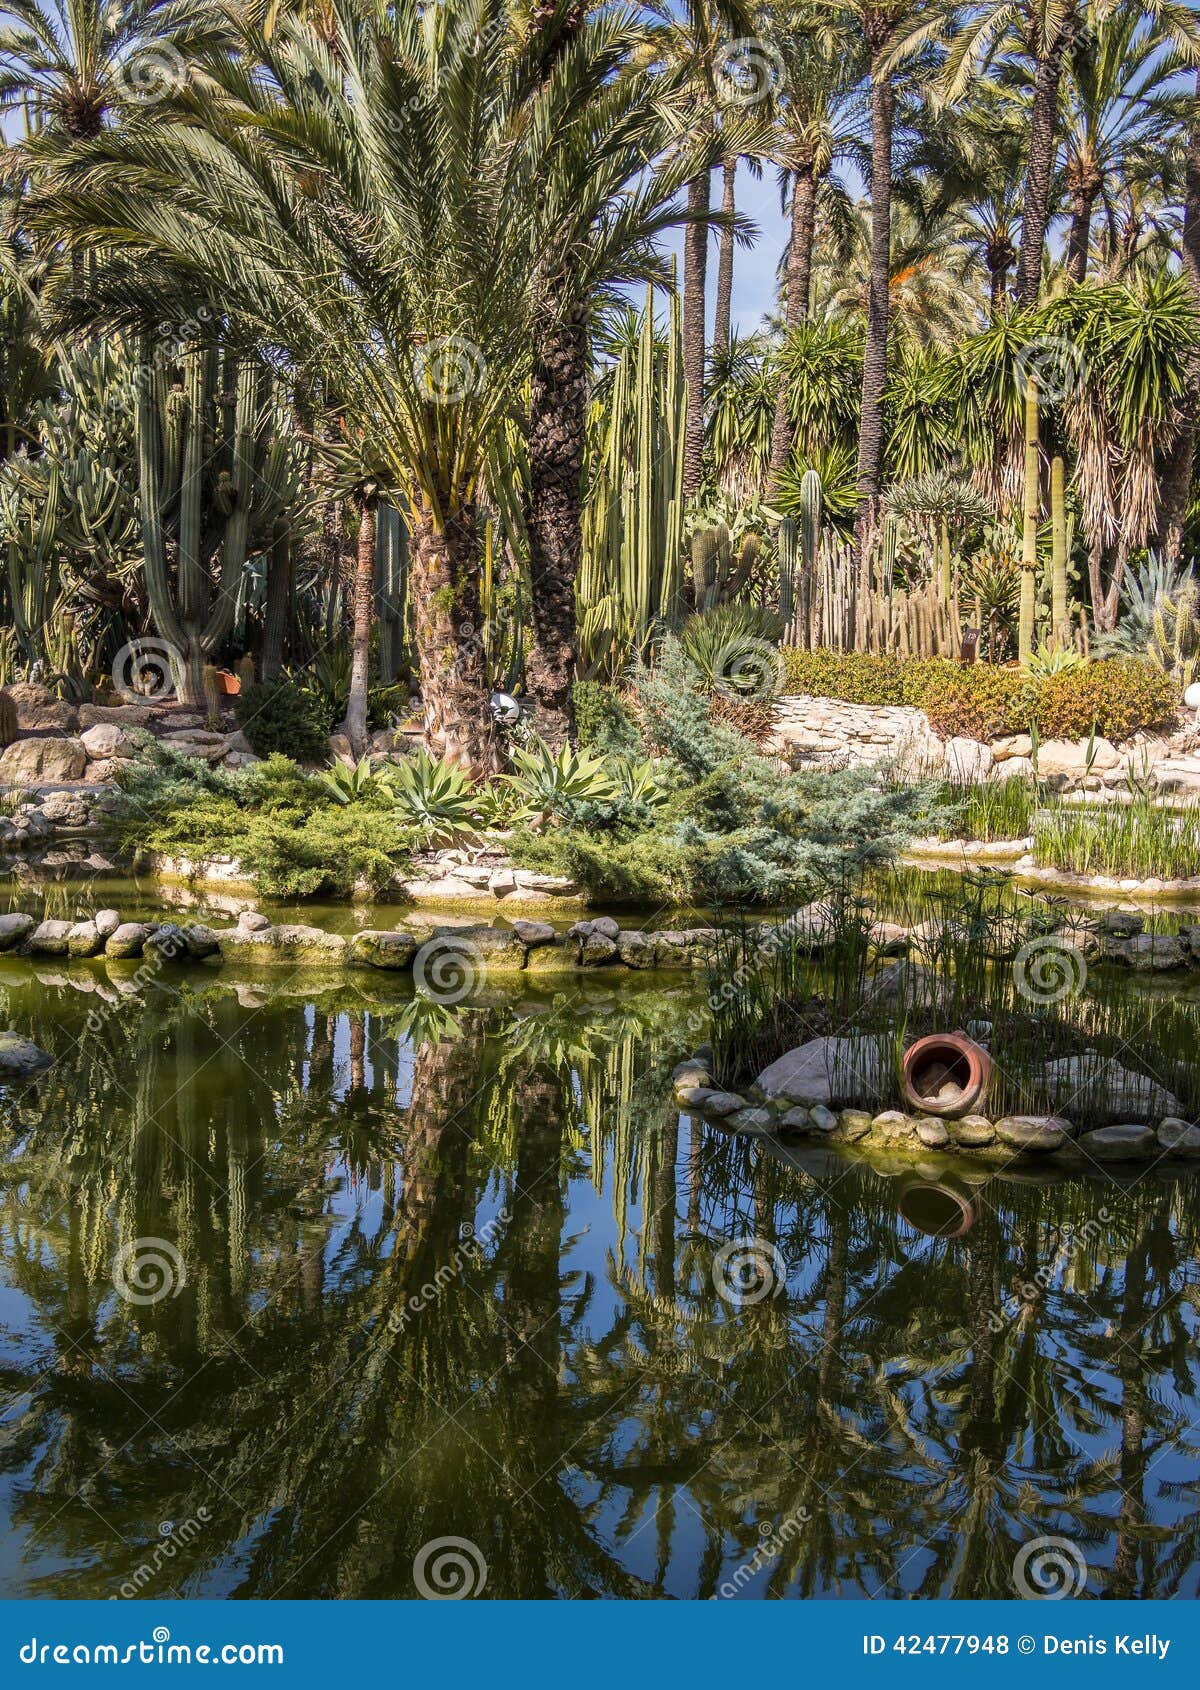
[[631, 578], [785, 551], [719, 572], [216, 469]]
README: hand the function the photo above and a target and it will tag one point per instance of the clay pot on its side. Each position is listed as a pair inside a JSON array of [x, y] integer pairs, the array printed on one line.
[[946, 1074]]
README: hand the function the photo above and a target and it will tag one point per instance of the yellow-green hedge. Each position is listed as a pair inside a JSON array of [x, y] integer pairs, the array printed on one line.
[[1116, 697]]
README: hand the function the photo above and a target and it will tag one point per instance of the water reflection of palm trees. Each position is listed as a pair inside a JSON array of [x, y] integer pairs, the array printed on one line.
[[452, 1274]]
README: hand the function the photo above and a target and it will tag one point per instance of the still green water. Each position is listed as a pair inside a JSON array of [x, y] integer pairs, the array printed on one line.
[[469, 1274]]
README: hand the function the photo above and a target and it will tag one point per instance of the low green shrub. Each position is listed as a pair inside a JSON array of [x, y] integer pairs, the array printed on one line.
[[602, 723], [280, 716], [1117, 697], [284, 826]]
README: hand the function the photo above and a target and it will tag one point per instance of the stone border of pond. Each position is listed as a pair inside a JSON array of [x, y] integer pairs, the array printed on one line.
[[532, 947], [1045, 1139]]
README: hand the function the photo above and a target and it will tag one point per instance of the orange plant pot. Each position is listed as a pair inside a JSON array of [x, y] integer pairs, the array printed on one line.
[[946, 1074]]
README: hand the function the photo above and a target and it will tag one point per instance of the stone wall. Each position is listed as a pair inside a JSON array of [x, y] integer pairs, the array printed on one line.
[[829, 733]]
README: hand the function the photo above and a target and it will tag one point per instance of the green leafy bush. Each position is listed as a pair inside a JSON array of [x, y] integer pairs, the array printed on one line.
[[1117, 697], [283, 825], [602, 723], [280, 716]]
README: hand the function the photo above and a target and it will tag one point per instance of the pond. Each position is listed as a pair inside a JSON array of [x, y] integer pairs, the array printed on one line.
[[336, 1293]]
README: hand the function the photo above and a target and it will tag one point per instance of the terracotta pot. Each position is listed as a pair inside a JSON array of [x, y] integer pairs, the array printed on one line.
[[946, 1074], [939, 1211], [229, 684]]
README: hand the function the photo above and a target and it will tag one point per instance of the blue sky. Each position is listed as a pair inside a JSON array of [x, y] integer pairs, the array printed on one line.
[[753, 266]]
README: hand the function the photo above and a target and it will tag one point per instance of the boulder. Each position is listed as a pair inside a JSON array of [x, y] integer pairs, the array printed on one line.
[[286, 943], [127, 939], [202, 942], [38, 708], [597, 949], [1128, 1142], [1033, 1132], [1107, 1082], [554, 885], [250, 921], [105, 739], [498, 947], [722, 1103], [823, 1120], [168, 942], [1149, 953], [14, 929], [119, 715], [534, 932], [967, 760], [972, 1131], [1009, 746], [692, 1073], [824, 1069], [635, 949], [107, 922], [84, 940], [795, 1120], [606, 926], [1178, 1138], [20, 1057], [381, 948], [65, 809], [559, 957], [932, 1134], [853, 1124], [891, 1124], [42, 762], [50, 938]]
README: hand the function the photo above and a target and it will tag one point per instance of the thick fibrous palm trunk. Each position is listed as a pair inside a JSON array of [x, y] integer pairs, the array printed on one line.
[[724, 311], [1043, 120], [355, 724], [870, 434], [557, 434], [444, 572], [695, 266], [799, 276], [1177, 475], [1080, 237]]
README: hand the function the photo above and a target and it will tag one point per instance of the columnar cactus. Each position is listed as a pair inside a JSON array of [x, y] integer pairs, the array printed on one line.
[[215, 471]]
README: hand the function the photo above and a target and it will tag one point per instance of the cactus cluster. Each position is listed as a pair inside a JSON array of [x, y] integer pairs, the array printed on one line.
[[217, 466], [721, 570]]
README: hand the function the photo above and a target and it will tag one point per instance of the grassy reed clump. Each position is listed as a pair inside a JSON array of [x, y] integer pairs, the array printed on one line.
[[988, 810], [980, 960], [1141, 840]]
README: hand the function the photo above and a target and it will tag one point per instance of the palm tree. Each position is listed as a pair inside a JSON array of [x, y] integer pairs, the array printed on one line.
[[692, 47], [1119, 112], [600, 209], [72, 65], [816, 51], [403, 285], [1177, 479]]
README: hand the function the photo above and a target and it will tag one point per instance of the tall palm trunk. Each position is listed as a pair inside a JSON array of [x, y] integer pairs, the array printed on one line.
[[1177, 477], [1043, 141], [870, 433], [1028, 606], [1080, 237], [557, 434], [354, 726], [444, 575], [721, 323], [799, 279], [695, 267], [556, 441]]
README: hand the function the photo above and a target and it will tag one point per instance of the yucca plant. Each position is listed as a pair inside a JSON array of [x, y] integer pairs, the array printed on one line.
[[436, 798], [734, 647], [550, 782]]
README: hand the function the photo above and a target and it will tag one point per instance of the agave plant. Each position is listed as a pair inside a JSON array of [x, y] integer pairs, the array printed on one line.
[[1160, 618], [346, 785], [549, 782], [637, 783], [734, 649], [436, 798]]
